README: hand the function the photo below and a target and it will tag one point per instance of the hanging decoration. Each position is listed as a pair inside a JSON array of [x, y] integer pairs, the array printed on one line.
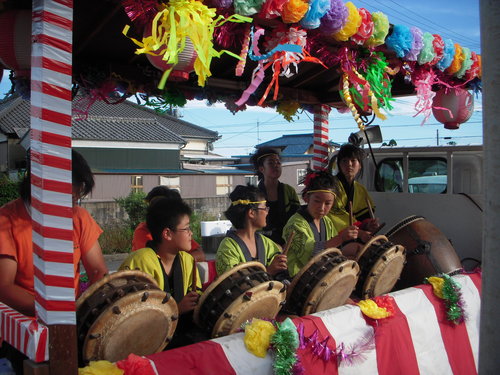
[[351, 25], [288, 109], [400, 41], [317, 9], [380, 307], [453, 106], [365, 29], [380, 30], [448, 290], [335, 19]]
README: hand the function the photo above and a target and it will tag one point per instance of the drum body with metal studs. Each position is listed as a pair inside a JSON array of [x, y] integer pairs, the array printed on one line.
[[325, 282], [124, 313], [428, 251], [244, 292], [381, 263]]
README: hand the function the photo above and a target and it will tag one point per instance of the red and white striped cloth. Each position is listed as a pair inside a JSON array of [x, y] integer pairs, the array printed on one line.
[[51, 187], [320, 139], [418, 339], [24, 333]]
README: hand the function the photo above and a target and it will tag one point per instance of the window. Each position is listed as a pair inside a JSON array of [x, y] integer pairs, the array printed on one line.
[[136, 184], [301, 173], [172, 182], [252, 180], [425, 175], [223, 185]]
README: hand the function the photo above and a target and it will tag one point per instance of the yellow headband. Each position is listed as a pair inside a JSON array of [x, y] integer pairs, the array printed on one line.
[[268, 154], [245, 201], [321, 191]]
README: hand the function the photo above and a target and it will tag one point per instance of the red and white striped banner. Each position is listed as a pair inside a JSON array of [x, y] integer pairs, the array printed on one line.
[[320, 147], [24, 334], [418, 339], [51, 187]]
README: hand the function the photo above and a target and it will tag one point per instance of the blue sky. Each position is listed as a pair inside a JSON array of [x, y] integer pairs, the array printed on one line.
[[457, 19]]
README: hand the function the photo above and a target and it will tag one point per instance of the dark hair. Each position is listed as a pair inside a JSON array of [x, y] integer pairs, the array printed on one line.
[[165, 213], [318, 180], [82, 177], [162, 191], [257, 159], [237, 213], [349, 151]]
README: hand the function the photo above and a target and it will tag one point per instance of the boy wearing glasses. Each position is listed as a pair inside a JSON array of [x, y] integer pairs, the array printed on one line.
[[166, 258], [248, 213]]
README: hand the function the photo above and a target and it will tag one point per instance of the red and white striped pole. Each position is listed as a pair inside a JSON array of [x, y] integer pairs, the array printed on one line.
[[320, 148], [51, 177]]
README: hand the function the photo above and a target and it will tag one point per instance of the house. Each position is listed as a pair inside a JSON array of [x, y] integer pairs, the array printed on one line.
[[132, 148]]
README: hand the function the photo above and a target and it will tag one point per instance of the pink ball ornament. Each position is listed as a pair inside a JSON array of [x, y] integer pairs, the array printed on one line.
[[15, 41], [452, 107]]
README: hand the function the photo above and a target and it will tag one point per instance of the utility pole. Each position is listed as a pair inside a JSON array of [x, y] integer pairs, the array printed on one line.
[[258, 132], [437, 137]]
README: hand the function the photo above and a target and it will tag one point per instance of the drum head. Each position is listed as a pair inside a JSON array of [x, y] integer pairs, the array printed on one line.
[[330, 291], [379, 238], [385, 272], [263, 301], [142, 323], [218, 281], [403, 223]]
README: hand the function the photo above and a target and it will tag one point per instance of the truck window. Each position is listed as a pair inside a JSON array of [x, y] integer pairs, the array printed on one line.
[[425, 175]]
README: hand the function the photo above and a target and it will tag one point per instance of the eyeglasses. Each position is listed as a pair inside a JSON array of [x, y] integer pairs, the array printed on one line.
[[262, 208], [187, 229]]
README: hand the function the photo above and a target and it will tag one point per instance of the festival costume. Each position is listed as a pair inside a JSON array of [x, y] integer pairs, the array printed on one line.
[[232, 251], [16, 240], [142, 235], [307, 240], [147, 260], [279, 211], [339, 213]]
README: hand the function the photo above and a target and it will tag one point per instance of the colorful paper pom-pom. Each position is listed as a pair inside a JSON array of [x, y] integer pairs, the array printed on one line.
[[416, 45], [365, 30], [351, 26], [466, 63], [272, 9], [294, 11], [400, 41], [317, 9], [335, 18], [426, 54], [136, 365], [221, 4], [258, 336], [247, 7], [288, 109], [438, 45], [100, 368], [380, 30], [448, 54], [456, 64], [372, 310], [473, 72]]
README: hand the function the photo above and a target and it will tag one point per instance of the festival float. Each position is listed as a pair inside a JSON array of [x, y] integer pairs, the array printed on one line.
[[290, 55]]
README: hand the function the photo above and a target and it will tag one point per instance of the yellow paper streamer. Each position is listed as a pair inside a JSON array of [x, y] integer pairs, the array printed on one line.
[[437, 285], [372, 310], [100, 368], [458, 59], [258, 336], [352, 24], [177, 21]]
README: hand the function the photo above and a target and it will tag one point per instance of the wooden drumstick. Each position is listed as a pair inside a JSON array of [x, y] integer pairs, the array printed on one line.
[[194, 288], [351, 217], [288, 243], [370, 209]]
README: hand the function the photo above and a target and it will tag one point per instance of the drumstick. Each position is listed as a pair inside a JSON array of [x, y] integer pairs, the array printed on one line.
[[351, 218], [370, 209], [288, 243], [194, 288]]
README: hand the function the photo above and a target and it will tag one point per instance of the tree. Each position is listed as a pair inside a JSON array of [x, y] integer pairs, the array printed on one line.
[[9, 190], [135, 206], [391, 143]]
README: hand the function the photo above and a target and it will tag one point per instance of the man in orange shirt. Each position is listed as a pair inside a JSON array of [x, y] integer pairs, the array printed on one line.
[[142, 234], [16, 247]]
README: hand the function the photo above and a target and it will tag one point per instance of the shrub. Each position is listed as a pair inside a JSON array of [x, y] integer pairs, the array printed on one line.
[[135, 207], [8, 190], [116, 239]]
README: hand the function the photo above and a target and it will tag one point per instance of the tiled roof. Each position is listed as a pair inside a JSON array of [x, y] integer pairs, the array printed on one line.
[[14, 114], [290, 144]]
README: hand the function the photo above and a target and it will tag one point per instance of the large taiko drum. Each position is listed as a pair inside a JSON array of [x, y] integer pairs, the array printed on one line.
[[428, 251], [381, 263], [244, 292], [124, 313], [325, 282]]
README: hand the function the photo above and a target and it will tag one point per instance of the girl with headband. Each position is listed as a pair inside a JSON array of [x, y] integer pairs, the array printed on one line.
[[314, 231], [248, 213], [282, 199]]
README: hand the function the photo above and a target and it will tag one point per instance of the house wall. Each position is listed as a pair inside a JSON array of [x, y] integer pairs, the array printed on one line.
[[195, 146], [4, 149], [100, 158]]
